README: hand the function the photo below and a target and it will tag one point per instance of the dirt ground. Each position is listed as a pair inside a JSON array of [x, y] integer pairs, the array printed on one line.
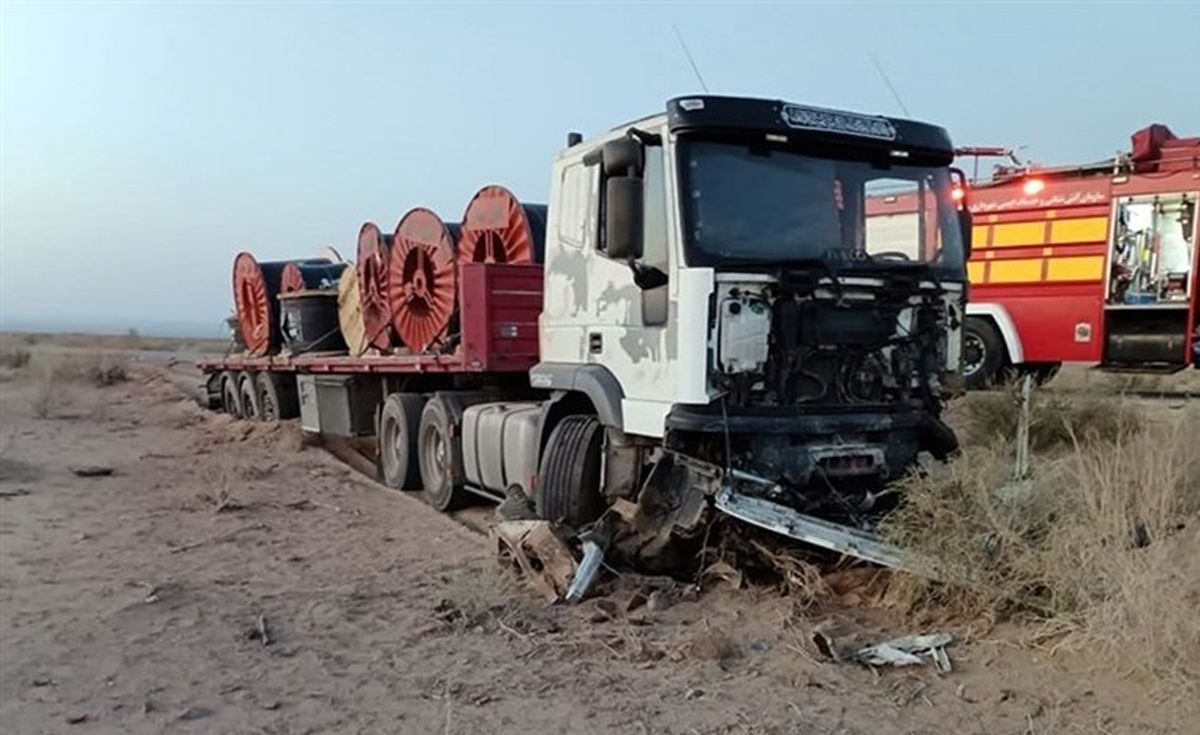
[[131, 603]]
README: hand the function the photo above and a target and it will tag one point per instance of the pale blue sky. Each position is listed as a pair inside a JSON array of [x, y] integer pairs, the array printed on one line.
[[142, 145]]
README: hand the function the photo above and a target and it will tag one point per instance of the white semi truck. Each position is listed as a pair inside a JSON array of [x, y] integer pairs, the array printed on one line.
[[722, 324]]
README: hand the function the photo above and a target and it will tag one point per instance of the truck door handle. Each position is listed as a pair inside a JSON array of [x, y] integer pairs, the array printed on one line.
[[595, 343]]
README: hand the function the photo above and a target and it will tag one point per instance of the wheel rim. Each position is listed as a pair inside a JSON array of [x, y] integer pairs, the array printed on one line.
[[974, 354], [434, 456], [390, 445]]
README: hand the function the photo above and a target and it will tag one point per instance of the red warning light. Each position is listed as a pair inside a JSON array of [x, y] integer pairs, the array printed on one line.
[[1034, 186]]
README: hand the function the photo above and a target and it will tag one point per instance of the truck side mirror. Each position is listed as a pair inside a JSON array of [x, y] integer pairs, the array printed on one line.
[[623, 217], [965, 221], [622, 157]]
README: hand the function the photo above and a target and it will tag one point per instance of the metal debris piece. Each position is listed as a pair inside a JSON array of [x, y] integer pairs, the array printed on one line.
[[525, 542], [909, 650], [585, 575], [93, 471], [810, 530]]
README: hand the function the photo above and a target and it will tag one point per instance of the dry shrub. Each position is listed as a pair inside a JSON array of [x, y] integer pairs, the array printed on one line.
[[98, 369], [14, 358], [1103, 542], [489, 597], [1055, 420]]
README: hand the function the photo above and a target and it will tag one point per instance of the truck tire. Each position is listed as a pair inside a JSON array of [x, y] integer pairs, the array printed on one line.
[[568, 487], [983, 354], [248, 389], [399, 423], [440, 456], [268, 397], [279, 391], [231, 395]]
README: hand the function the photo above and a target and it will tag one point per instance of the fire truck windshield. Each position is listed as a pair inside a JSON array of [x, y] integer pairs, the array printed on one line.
[[759, 206]]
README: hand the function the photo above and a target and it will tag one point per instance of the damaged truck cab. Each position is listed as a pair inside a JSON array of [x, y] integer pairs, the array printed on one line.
[[740, 303]]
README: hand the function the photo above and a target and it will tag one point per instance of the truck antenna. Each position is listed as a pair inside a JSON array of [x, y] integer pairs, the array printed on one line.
[[688, 54], [888, 82]]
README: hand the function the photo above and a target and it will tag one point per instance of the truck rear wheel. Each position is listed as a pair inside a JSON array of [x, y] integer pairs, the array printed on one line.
[[399, 425], [268, 396], [568, 488], [248, 389], [440, 456], [983, 354], [231, 395]]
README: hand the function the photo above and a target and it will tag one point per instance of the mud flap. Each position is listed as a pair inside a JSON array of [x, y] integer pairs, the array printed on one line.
[[808, 529]]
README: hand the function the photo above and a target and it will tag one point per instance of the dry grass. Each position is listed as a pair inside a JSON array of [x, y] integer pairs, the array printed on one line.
[[56, 376], [1102, 543], [1056, 420], [14, 358], [130, 341]]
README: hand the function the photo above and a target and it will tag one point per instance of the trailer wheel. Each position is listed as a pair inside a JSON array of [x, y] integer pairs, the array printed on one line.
[[248, 388], [268, 396], [399, 425], [231, 396], [568, 488], [983, 354], [440, 456]]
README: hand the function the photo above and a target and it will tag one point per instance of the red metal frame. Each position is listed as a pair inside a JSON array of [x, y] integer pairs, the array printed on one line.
[[501, 304]]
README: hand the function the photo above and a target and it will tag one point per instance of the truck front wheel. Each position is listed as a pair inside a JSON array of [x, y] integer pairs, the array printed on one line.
[[399, 424], [983, 354], [568, 487]]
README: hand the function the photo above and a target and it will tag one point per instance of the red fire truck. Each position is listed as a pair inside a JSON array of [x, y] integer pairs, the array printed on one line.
[[1093, 264]]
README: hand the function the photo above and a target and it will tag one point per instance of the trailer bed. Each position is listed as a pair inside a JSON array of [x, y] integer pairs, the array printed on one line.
[[499, 305]]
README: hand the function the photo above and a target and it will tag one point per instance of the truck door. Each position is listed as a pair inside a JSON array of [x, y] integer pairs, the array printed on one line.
[[594, 311]]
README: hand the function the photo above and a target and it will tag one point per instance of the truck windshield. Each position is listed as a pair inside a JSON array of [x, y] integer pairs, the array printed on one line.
[[760, 206]]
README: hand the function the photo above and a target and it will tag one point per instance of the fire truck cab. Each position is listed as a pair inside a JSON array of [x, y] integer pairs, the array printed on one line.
[[1094, 264]]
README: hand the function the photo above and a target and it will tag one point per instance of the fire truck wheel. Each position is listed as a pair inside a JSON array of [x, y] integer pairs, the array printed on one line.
[[983, 354], [568, 487], [399, 423], [440, 457]]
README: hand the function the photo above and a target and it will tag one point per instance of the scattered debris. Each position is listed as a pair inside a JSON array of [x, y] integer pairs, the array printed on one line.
[[93, 471], [910, 650], [308, 504], [585, 575], [539, 555], [721, 572], [693, 693], [195, 713], [77, 719], [261, 632], [43, 682], [18, 493], [222, 538]]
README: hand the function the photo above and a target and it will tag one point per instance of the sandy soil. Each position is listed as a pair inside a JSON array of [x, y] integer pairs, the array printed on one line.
[[130, 603]]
